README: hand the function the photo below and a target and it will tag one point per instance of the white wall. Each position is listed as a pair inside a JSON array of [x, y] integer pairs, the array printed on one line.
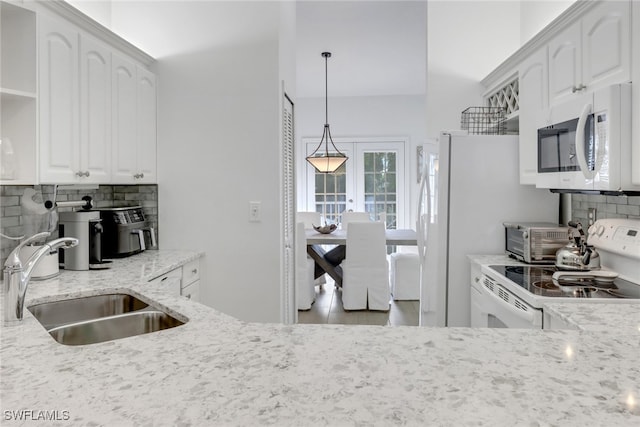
[[466, 40], [98, 10], [218, 140], [367, 116], [535, 15]]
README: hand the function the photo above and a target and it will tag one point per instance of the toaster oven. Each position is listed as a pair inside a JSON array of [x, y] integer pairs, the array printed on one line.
[[535, 242]]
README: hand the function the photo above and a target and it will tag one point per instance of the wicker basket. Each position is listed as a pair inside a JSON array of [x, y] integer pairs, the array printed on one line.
[[484, 121]]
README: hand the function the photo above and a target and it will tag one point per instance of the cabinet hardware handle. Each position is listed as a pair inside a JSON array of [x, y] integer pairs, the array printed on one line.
[[477, 279], [82, 173], [578, 88], [138, 175], [194, 271]]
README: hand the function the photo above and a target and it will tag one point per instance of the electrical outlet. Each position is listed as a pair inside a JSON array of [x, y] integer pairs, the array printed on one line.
[[591, 214], [254, 212]]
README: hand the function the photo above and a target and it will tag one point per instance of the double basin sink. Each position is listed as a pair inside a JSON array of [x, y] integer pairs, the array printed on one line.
[[100, 318]]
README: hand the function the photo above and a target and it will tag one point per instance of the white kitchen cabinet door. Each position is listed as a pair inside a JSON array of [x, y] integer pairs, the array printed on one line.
[[534, 99], [565, 64], [635, 95], [58, 102], [95, 111], [146, 153], [606, 45], [124, 120], [134, 123], [592, 53]]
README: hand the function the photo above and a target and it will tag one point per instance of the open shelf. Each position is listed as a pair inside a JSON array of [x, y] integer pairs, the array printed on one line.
[[18, 96]]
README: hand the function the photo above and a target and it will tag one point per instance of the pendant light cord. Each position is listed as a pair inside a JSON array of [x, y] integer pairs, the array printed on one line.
[[326, 89]]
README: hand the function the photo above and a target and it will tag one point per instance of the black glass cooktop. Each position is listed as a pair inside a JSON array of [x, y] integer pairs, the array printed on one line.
[[538, 281]]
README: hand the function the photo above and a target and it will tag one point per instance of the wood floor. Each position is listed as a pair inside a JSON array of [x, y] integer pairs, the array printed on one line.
[[327, 309]]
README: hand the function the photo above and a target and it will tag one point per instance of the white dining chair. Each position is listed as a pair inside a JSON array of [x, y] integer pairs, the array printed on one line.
[[305, 286], [348, 217], [309, 219], [365, 280]]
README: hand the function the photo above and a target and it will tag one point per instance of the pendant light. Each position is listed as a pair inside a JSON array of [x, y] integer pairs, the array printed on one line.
[[324, 161]]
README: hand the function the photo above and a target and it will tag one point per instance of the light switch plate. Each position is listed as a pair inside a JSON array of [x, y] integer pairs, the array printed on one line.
[[254, 212]]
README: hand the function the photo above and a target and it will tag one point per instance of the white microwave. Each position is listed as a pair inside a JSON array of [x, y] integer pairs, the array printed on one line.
[[584, 145]]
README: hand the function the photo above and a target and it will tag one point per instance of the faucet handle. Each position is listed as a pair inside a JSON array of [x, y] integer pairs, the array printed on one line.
[[14, 257]]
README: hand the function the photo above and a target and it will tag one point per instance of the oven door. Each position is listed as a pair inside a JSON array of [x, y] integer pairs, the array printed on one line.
[[492, 306]]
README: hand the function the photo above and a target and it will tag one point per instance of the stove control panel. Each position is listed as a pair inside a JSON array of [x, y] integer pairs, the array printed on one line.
[[620, 236]]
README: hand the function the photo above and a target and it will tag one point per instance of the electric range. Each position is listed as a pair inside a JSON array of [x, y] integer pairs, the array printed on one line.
[[513, 295]]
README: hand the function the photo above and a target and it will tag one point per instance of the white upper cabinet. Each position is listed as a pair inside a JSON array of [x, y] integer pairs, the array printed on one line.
[[147, 125], [97, 106], [124, 128], [59, 102], [134, 123], [606, 45], [95, 110], [635, 96], [591, 53], [565, 62], [75, 106], [534, 99]]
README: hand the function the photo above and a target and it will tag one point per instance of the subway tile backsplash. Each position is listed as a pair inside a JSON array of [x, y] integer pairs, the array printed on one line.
[[147, 196], [13, 219], [605, 206]]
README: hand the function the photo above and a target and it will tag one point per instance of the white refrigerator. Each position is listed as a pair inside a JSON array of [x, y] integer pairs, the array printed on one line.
[[465, 197]]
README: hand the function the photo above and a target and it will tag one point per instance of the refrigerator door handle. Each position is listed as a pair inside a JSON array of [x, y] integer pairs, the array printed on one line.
[[424, 217]]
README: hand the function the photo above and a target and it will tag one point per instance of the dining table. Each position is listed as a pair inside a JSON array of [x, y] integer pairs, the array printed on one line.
[[329, 261]]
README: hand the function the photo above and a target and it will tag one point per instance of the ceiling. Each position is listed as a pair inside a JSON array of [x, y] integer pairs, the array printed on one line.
[[378, 47]]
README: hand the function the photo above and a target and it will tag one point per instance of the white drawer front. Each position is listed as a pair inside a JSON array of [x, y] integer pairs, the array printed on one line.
[[190, 272]]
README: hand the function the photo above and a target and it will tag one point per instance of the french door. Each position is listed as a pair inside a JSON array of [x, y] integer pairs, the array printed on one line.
[[372, 180]]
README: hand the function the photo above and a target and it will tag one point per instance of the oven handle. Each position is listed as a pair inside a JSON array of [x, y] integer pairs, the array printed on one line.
[[522, 314]]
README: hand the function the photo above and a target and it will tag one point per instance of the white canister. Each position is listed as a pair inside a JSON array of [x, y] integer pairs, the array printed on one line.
[[48, 265]]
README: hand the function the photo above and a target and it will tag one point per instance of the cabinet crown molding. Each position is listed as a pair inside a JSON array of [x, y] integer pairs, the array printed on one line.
[[572, 14], [65, 10]]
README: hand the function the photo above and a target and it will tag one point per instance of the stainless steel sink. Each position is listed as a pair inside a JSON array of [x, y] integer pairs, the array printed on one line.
[[113, 327], [56, 313], [99, 318]]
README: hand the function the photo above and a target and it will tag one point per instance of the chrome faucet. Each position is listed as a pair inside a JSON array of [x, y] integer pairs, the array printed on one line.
[[16, 276]]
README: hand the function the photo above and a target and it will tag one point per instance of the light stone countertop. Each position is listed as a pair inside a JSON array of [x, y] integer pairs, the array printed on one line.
[[623, 318], [216, 370]]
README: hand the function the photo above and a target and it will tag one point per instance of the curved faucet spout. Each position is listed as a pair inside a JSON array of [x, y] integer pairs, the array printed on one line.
[[17, 276]]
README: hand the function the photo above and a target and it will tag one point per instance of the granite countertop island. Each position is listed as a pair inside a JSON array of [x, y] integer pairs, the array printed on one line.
[[217, 370]]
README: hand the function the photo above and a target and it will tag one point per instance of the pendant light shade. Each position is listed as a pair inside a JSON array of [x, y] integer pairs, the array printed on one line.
[[323, 160]]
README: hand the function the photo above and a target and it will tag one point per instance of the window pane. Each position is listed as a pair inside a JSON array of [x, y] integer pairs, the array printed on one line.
[[392, 161], [368, 183], [368, 162], [341, 183], [391, 182]]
